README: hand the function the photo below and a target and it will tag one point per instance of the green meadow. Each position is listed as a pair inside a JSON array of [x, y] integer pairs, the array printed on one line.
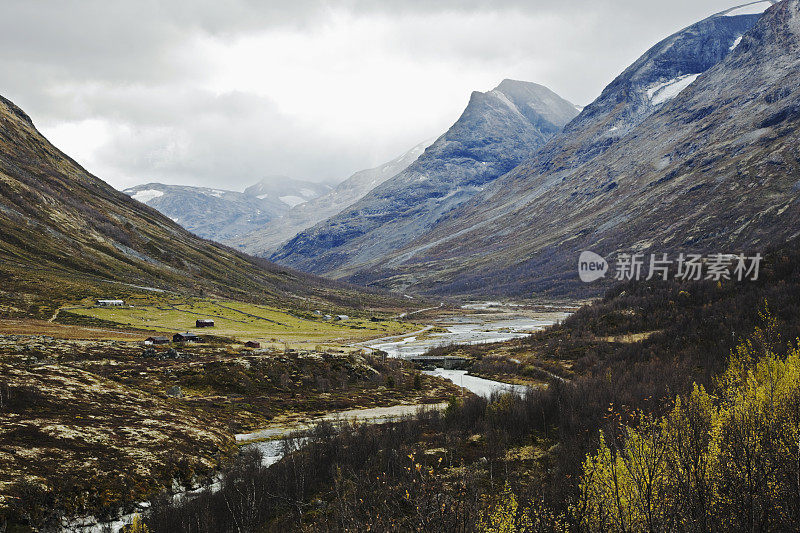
[[242, 321]]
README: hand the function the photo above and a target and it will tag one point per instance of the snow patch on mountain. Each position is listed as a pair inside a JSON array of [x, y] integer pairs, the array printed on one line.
[[668, 90], [216, 193], [755, 8], [147, 195], [292, 200], [736, 43], [503, 98]]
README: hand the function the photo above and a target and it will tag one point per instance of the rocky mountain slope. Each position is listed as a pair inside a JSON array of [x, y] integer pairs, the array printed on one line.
[[289, 191], [68, 235], [692, 148], [496, 132], [214, 214], [266, 238]]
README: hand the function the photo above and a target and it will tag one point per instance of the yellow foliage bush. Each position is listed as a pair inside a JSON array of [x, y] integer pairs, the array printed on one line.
[[723, 462], [137, 526]]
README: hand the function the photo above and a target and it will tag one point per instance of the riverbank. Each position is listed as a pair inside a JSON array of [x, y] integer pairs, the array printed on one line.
[[372, 415], [272, 445], [470, 384]]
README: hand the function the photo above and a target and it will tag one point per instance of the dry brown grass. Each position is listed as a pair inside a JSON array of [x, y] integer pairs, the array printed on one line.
[[68, 332], [629, 338]]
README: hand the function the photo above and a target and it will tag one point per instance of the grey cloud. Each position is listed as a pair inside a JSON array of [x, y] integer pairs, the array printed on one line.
[[132, 63], [228, 141]]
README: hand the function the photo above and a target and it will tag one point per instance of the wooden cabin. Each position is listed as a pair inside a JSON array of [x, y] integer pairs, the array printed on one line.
[[156, 340], [185, 337], [204, 323], [110, 303]]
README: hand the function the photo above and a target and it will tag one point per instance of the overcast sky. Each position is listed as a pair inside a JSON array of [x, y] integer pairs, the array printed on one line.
[[223, 93]]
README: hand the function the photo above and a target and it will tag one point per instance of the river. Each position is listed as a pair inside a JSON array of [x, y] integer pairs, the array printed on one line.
[[496, 322], [476, 385]]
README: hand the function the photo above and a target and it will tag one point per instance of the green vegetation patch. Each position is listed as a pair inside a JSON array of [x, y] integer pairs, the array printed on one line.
[[244, 321]]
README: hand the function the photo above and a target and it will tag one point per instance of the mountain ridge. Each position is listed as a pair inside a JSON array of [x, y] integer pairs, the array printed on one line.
[[497, 130], [265, 239], [288, 190], [211, 213], [720, 146]]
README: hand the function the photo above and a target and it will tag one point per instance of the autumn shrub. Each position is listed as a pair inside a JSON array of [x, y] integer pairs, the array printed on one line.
[[722, 461]]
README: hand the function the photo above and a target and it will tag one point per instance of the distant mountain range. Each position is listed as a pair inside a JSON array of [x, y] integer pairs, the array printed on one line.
[[267, 213], [693, 147], [289, 191], [267, 237], [223, 215], [496, 132], [215, 214]]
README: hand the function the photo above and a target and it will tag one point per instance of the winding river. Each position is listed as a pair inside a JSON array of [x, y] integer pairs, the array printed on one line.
[[496, 322]]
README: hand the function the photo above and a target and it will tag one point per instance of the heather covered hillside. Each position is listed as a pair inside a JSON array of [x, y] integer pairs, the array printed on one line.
[[68, 235]]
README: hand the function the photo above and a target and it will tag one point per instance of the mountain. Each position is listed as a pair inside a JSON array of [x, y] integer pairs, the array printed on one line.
[[692, 148], [67, 235], [272, 234], [214, 214], [495, 133], [289, 191]]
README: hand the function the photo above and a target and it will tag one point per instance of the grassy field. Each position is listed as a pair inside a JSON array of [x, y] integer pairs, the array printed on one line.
[[242, 321]]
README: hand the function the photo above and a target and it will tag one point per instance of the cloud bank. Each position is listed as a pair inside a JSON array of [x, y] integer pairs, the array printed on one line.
[[223, 93]]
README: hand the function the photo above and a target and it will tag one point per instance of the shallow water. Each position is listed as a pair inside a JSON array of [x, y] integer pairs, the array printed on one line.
[[374, 415], [470, 329], [476, 385]]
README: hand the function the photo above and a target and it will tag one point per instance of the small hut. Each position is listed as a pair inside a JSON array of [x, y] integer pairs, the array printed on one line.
[[110, 303], [185, 337], [156, 340], [204, 323]]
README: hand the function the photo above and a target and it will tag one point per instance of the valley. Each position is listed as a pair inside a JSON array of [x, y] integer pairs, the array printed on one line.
[[605, 371], [417, 347], [77, 386], [64, 399]]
